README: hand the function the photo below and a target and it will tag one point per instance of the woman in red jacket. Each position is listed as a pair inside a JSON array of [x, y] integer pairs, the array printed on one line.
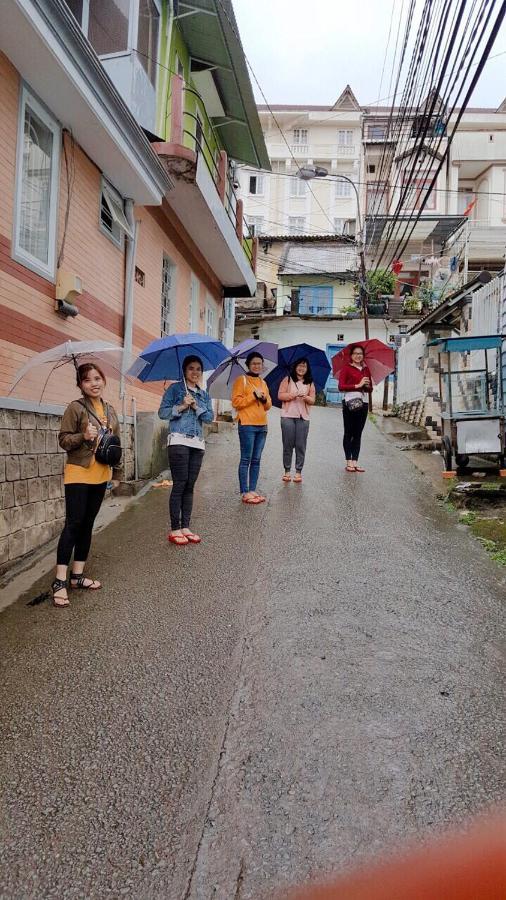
[[355, 383]]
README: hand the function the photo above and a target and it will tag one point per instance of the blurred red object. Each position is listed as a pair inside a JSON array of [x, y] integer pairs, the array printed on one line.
[[397, 266], [471, 866]]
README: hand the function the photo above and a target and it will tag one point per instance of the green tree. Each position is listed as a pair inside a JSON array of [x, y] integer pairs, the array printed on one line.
[[382, 281]]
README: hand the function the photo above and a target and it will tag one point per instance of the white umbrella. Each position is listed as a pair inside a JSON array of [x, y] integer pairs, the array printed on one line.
[[74, 352]]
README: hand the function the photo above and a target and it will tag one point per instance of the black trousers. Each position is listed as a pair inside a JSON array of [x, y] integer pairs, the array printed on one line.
[[354, 421], [82, 503], [185, 463]]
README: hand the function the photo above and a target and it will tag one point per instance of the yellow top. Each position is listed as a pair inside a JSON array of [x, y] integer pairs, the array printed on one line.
[[95, 473], [250, 411]]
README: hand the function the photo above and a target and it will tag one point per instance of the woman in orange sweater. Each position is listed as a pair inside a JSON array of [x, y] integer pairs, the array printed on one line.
[[251, 399]]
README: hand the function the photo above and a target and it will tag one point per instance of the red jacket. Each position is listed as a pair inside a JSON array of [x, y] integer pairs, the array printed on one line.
[[349, 377]]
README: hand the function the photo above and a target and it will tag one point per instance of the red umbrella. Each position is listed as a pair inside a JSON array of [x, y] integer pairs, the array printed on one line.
[[379, 357]]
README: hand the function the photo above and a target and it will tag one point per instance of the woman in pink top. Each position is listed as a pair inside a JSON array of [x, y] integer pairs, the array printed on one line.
[[297, 394]]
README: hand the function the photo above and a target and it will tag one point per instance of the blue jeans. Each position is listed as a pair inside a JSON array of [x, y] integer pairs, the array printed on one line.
[[252, 440]]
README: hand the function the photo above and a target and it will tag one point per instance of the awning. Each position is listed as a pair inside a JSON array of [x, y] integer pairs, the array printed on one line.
[[433, 230], [464, 344], [211, 34]]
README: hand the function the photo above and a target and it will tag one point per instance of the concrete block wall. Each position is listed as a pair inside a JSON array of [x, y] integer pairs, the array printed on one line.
[[32, 505]]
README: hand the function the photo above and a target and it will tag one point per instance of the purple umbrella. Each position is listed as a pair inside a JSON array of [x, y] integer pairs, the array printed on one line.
[[221, 382]]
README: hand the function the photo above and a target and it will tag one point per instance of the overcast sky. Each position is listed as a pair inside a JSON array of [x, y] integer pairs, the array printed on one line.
[[306, 52]]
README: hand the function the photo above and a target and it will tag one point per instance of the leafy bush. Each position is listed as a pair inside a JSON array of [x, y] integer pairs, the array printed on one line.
[[382, 281]]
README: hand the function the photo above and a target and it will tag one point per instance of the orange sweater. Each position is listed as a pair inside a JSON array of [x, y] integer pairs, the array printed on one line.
[[250, 411]]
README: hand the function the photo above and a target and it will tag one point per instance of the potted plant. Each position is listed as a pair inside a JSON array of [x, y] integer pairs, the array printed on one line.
[[351, 311]]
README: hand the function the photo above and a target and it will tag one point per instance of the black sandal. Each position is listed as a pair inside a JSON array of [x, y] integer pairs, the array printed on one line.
[[59, 585], [77, 583]]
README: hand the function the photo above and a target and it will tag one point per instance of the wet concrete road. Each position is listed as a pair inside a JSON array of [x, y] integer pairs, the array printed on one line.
[[317, 681]]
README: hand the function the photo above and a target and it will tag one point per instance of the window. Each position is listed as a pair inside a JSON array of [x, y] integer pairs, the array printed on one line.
[[345, 137], [108, 25], [417, 192], [179, 67], [298, 187], [371, 170], [256, 184], [37, 171], [339, 338], [147, 38], [256, 225], [316, 300], [118, 26], [194, 305], [377, 198], [377, 132], [168, 285], [343, 188], [76, 8], [296, 224], [339, 226], [210, 319], [113, 221], [300, 135]]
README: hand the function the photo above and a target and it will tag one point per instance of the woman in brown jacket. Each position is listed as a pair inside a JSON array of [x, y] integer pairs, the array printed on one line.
[[85, 479]]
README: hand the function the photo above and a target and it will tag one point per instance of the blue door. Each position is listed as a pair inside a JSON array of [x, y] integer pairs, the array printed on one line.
[[332, 392]]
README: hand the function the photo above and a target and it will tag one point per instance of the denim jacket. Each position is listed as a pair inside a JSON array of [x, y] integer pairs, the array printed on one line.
[[190, 421]]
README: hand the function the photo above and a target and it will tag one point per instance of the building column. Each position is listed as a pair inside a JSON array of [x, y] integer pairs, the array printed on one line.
[[453, 185]]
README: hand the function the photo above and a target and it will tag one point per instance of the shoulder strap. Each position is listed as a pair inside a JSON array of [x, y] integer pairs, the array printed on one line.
[[92, 413]]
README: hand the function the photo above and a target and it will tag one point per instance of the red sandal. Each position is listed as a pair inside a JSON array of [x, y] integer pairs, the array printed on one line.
[[193, 538], [178, 539]]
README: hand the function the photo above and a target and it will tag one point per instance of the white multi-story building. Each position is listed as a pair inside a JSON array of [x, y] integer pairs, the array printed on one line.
[[331, 138], [364, 144]]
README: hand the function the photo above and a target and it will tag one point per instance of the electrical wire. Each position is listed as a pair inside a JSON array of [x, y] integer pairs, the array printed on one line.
[[484, 56]]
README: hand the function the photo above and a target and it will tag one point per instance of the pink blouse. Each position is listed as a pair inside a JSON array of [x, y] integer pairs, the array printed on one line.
[[290, 393]]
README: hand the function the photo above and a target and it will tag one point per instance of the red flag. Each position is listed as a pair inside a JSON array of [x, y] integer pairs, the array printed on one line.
[[469, 207]]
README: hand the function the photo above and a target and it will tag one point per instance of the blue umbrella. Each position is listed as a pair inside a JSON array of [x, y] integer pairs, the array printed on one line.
[[221, 382], [162, 359], [287, 357]]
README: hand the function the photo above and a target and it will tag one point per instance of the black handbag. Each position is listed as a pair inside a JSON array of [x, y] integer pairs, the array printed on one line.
[[354, 404], [108, 449]]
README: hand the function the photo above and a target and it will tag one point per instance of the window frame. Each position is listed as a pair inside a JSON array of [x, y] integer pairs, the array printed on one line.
[[133, 33], [259, 181], [300, 132], [346, 142], [417, 186], [294, 230], [47, 270], [343, 188], [256, 227], [298, 188], [114, 199]]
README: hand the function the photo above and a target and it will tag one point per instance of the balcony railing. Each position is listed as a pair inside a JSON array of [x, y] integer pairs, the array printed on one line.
[[312, 151], [188, 129]]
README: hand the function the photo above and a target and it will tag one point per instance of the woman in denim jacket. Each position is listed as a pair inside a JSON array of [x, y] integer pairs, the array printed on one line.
[[186, 406]]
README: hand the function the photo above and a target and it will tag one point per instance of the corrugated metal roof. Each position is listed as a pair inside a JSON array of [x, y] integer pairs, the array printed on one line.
[[318, 259]]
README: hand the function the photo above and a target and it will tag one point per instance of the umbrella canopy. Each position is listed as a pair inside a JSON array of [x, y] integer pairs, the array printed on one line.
[[162, 360], [42, 365], [379, 357], [221, 382], [288, 356]]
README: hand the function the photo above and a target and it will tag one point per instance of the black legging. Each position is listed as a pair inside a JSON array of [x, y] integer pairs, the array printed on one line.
[[185, 463], [82, 503], [354, 421]]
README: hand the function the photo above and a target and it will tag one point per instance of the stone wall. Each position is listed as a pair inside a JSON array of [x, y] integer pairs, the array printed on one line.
[[32, 506]]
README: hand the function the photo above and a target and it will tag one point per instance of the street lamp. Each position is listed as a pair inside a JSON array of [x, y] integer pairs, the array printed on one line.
[[307, 173]]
